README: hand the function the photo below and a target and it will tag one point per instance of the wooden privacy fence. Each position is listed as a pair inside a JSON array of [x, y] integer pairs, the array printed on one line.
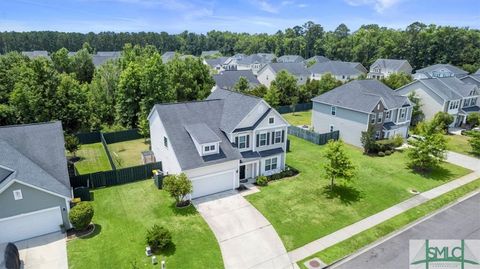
[[320, 139], [111, 137], [115, 177], [298, 107]]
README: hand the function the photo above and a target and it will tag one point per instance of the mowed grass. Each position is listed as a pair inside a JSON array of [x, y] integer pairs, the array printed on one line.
[[93, 158], [369, 236], [128, 153], [459, 143], [299, 118], [124, 213], [303, 209]]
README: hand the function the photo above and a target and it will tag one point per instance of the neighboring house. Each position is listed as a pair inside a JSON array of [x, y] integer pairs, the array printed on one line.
[[316, 59], [472, 79], [232, 62], [220, 142], [439, 71], [228, 79], [269, 72], [168, 56], [216, 63], [448, 94], [354, 106], [254, 62], [36, 53], [35, 190], [290, 59], [210, 53], [478, 72], [343, 71], [103, 56], [383, 68]]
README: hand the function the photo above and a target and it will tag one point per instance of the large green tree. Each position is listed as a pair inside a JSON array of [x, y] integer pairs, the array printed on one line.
[[286, 85], [82, 66], [427, 153], [397, 80], [338, 163]]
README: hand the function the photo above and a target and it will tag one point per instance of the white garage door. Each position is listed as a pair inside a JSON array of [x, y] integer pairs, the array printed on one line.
[[30, 225], [211, 184]]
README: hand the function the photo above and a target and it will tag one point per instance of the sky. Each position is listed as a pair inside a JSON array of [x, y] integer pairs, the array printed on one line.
[[252, 16]]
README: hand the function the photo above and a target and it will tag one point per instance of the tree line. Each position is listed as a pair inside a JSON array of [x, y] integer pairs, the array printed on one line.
[[420, 44]]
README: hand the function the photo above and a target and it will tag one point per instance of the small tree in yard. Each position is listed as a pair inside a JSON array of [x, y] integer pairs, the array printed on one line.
[[338, 163], [158, 237], [368, 140], [473, 119], [442, 120], [179, 186], [81, 215], [72, 144], [427, 153], [475, 142], [242, 84], [293, 103], [144, 127]]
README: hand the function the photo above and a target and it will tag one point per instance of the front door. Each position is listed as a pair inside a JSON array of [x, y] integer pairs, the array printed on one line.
[[242, 172]]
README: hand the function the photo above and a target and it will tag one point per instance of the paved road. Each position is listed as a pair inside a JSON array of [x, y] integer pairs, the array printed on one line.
[[461, 221], [246, 238]]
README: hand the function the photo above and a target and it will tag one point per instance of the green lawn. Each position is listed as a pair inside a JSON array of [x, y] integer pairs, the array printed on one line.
[[128, 153], [459, 143], [369, 236], [302, 209], [92, 159], [299, 118], [124, 213]]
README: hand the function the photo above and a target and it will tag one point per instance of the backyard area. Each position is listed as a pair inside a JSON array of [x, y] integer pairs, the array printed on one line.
[[128, 153], [459, 143], [122, 216], [303, 208], [92, 158], [299, 118]]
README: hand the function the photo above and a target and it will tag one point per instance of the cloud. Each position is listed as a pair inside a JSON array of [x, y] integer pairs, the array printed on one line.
[[266, 6], [379, 5]]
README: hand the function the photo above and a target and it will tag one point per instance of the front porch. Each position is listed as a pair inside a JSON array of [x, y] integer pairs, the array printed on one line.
[[248, 172]]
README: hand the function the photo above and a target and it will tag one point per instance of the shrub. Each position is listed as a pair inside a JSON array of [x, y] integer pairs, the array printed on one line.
[[158, 237], [262, 181], [179, 186], [388, 152], [81, 215], [381, 154], [397, 140]]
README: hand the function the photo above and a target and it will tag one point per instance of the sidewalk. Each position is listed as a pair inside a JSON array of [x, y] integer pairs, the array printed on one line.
[[369, 222]]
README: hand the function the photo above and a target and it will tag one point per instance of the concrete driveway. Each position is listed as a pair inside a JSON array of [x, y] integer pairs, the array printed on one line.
[[246, 238], [44, 252]]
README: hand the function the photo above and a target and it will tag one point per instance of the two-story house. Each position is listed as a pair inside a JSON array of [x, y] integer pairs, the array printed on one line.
[[254, 62], [448, 94], [269, 72], [353, 107], [343, 71], [383, 68], [219, 142], [217, 64], [439, 71]]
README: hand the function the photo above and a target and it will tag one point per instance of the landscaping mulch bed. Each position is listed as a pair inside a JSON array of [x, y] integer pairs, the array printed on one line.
[[73, 234]]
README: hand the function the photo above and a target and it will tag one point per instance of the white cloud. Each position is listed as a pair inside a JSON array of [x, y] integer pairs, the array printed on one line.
[[266, 6], [379, 5]]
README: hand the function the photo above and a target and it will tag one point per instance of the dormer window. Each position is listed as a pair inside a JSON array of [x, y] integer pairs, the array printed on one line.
[[209, 148], [271, 120]]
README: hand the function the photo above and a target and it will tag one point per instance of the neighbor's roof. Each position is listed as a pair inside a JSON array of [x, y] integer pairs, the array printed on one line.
[[296, 69], [449, 88], [318, 59], [217, 61], [228, 79], [202, 133], [472, 79], [109, 53], [362, 95], [236, 107], [36, 53], [36, 152], [167, 56], [262, 58], [455, 70], [478, 72], [210, 53], [290, 59], [336, 68], [175, 117], [392, 64], [4, 173]]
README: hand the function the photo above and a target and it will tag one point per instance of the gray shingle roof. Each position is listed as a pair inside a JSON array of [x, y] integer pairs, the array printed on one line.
[[478, 72], [318, 59], [176, 116], [336, 68], [4, 173], [455, 70], [36, 152], [296, 69], [449, 88], [290, 59], [167, 56], [217, 61], [228, 79], [99, 60], [261, 58], [36, 53], [362, 95], [392, 64], [202, 133], [109, 53], [209, 53], [236, 107]]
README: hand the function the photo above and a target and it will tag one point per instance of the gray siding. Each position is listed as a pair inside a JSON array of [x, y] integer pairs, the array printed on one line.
[[33, 200], [342, 113]]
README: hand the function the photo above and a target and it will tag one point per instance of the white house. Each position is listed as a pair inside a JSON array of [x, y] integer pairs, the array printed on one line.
[[353, 107], [220, 142], [448, 94], [383, 68], [269, 72]]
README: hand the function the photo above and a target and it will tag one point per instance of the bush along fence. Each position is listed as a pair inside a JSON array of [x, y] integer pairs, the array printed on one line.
[[115, 177], [298, 108], [320, 139]]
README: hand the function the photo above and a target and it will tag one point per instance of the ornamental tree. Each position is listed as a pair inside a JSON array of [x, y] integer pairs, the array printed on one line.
[[338, 163], [179, 186]]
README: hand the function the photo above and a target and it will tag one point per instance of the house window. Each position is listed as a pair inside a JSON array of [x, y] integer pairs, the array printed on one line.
[[207, 148], [403, 111], [263, 139], [377, 135], [17, 195], [212, 147], [242, 141], [387, 115], [271, 120], [165, 141], [270, 164], [372, 120], [380, 117], [331, 128], [334, 110], [278, 137]]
